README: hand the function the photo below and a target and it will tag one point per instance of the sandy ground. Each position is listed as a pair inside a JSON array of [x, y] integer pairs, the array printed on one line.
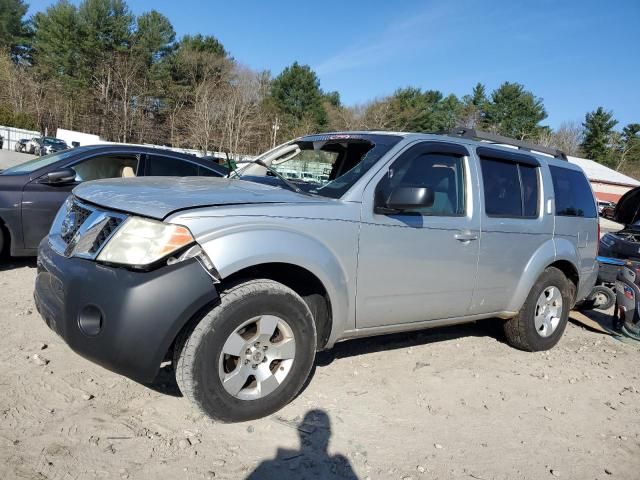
[[446, 403]]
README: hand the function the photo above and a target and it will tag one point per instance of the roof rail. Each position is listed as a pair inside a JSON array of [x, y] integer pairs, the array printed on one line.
[[472, 133]]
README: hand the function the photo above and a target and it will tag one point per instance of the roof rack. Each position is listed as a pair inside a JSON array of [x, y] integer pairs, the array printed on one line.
[[472, 133]]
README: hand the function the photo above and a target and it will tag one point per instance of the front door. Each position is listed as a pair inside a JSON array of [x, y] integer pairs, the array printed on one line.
[[420, 265]]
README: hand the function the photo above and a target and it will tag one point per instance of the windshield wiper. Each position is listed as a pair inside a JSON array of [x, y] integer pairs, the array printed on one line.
[[291, 186]]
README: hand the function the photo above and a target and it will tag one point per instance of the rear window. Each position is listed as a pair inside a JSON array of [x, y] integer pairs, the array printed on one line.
[[572, 193], [510, 189]]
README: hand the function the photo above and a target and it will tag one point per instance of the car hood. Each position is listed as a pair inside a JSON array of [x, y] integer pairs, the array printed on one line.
[[627, 210], [157, 197]]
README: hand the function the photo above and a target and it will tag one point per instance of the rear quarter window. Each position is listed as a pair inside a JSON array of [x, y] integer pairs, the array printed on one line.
[[573, 195]]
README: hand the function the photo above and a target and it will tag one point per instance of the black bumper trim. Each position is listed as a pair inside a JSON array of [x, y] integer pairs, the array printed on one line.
[[142, 311]]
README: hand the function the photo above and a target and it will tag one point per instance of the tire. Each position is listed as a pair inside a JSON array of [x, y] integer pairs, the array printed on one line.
[[601, 298], [522, 331], [2, 240], [200, 360]]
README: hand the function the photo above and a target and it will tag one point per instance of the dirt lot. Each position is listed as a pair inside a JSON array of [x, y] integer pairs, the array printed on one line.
[[446, 403], [9, 158]]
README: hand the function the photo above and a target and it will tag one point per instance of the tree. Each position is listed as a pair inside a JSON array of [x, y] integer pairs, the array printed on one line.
[[515, 112], [418, 111], [105, 27], [56, 44], [153, 37], [567, 138], [297, 97], [628, 147], [598, 129], [195, 65], [13, 28], [473, 109]]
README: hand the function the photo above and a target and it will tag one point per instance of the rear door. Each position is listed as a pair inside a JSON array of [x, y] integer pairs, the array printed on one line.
[[514, 224], [419, 265]]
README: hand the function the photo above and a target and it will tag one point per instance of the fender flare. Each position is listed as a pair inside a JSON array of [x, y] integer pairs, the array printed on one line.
[[545, 255]]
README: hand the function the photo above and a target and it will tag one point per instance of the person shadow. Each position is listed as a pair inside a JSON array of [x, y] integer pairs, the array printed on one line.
[[312, 460]]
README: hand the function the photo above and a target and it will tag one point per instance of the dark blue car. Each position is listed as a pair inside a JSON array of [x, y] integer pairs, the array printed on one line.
[[31, 193]]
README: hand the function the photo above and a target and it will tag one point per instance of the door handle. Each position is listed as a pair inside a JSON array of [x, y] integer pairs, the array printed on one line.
[[465, 236]]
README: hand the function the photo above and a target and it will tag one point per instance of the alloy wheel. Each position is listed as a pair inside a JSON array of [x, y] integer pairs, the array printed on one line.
[[257, 357]]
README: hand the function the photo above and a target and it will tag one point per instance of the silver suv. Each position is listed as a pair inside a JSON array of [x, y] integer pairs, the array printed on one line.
[[239, 281]]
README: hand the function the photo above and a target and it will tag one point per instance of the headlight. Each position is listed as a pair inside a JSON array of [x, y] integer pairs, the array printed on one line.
[[140, 242]]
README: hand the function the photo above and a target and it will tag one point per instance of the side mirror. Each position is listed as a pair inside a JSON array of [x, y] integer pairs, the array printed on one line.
[[406, 198], [60, 177]]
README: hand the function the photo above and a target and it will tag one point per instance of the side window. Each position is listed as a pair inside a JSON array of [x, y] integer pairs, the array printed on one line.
[[530, 200], [441, 172], [510, 189], [573, 194], [106, 166], [161, 166]]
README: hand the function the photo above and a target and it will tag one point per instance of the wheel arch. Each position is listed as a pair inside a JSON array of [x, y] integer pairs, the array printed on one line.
[[300, 280], [543, 258]]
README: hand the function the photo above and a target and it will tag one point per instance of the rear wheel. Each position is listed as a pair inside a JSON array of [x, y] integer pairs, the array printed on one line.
[[544, 315], [250, 355]]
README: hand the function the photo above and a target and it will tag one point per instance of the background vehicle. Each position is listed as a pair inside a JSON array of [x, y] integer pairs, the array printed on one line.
[[20, 145], [250, 276], [624, 244], [32, 193], [47, 145], [602, 204], [32, 144]]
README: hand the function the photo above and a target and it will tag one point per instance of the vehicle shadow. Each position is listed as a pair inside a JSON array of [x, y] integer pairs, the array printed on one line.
[[312, 459], [10, 263], [483, 328], [165, 382]]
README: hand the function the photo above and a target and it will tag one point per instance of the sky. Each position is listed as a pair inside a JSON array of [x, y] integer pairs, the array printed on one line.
[[575, 55]]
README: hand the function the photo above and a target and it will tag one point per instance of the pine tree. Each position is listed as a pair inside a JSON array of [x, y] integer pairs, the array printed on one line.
[[13, 28], [474, 108], [297, 96], [515, 112], [598, 129]]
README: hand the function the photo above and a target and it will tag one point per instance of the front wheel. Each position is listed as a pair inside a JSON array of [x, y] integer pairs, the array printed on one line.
[[250, 355], [544, 315]]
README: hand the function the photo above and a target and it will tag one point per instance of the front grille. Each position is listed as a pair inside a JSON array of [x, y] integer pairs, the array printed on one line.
[[81, 230], [76, 216], [105, 233]]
